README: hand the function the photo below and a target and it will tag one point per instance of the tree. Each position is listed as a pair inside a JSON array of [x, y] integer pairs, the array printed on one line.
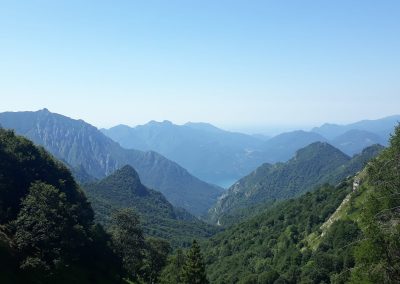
[[128, 241], [46, 230], [172, 273], [194, 271], [155, 259]]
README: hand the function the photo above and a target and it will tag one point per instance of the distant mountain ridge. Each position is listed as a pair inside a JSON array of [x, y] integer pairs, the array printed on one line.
[[222, 157], [82, 145], [283, 146], [382, 127], [353, 140], [211, 154]]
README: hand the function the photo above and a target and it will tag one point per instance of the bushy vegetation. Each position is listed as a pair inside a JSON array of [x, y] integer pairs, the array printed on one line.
[[273, 245], [378, 254], [48, 232], [312, 166], [288, 244], [47, 228], [185, 268]]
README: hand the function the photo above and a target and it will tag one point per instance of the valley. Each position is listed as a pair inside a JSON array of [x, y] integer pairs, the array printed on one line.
[[271, 226]]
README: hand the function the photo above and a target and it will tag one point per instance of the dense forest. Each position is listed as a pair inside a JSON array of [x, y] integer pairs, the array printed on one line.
[[312, 166], [49, 233], [123, 189], [344, 234]]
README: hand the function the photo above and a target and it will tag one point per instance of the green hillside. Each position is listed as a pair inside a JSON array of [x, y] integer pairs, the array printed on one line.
[[159, 218], [313, 165], [271, 245], [50, 236], [343, 234]]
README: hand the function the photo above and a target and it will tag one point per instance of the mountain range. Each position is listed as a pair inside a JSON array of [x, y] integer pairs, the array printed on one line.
[[222, 157], [93, 155], [210, 153], [320, 217], [189, 153], [382, 127], [335, 234]]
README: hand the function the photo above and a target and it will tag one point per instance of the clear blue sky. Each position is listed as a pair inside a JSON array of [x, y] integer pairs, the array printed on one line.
[[237, 64]]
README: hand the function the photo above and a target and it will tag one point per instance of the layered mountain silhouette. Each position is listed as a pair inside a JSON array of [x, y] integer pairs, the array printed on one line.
[[353, 140], [313, 165], [382, 127], [283, 146], [223, 157], [209, 153], [90, 153]]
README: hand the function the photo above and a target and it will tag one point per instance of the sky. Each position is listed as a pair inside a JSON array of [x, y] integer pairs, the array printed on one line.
[[241, 65]]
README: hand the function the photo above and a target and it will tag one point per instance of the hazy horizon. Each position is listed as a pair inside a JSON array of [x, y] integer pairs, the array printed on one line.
[[268, 130], [255, 66]]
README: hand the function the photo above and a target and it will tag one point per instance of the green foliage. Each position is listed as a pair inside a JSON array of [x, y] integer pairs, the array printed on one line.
[[333, 259], [160, 219], [272, 245], [378, 255], [156, 256], [47, 229], [22, 163], [361, 246], [128, 241], [172, 273], [50, 236], [47, 232], [312, 166], [194, 271]]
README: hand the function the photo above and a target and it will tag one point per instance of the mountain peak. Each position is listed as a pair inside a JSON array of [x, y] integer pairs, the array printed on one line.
[[317, 149], [125, 178], [202, 126], [164, 122], [128, 171], [44, 110]]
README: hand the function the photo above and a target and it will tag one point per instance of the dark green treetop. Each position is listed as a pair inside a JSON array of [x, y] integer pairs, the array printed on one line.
[[194, 269]]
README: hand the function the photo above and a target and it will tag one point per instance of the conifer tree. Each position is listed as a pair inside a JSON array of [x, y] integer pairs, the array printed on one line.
[[194, 270]]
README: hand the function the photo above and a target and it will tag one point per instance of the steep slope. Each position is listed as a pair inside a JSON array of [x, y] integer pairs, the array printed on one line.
[[354, 141], [283, 146], [270, 246], [47, 234], [382, 127], [212, 154], [357, 163], [313, 165], [310, 167], [343, 234], [82, 145], [123, 189]]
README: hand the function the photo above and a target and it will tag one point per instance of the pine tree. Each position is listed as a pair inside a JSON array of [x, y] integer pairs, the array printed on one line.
[[194, 271]]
